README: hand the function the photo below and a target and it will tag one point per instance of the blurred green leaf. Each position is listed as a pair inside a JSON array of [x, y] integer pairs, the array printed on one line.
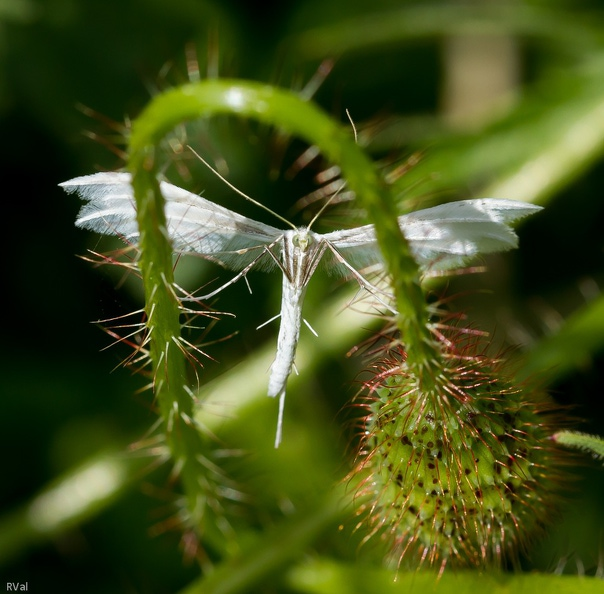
[[545, 143], [572, 348], [573, 33]]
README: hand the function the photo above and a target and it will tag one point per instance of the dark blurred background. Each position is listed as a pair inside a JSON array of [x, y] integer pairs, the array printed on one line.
[[463, 83]]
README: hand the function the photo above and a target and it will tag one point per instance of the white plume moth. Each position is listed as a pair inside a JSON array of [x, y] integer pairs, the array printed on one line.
[[441, 238]]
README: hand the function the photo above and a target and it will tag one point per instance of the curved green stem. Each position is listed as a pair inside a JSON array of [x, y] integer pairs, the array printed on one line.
[[290, 113], [287, 111]]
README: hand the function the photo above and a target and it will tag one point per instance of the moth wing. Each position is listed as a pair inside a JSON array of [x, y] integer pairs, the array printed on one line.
[[195, 225], [443, 237], [450, 235]]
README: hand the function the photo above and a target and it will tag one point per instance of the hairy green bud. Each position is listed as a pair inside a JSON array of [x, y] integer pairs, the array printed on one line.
[[461, 474]]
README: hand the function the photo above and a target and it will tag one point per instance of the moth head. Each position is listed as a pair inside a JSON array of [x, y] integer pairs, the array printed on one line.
[[302, 238]]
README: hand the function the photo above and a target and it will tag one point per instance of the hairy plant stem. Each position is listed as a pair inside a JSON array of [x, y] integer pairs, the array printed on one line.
[[169, 364], [593, 444]]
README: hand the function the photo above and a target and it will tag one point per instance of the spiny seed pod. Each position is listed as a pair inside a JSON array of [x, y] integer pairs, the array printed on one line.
[[461, 473]]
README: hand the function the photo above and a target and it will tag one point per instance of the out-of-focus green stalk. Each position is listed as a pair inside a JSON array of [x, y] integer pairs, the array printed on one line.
[[69, 501], [271, 551]]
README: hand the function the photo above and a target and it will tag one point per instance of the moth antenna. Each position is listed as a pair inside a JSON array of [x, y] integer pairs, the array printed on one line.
[[322, 209], [238, 191]]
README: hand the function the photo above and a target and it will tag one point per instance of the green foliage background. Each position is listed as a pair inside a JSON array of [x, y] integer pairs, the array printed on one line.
[[61, 405]]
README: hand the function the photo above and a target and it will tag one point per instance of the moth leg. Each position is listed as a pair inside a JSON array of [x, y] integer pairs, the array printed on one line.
[[363, 282], [306, 322], [242, 274], [268, 321], [278, 262]]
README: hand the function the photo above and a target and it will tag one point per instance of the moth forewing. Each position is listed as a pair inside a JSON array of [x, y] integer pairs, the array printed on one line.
[[444, 237], [195, 225]]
